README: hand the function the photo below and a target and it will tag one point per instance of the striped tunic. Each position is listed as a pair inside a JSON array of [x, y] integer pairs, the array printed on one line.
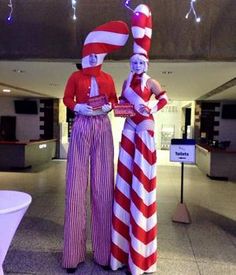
[[134, 222], [91, 140]]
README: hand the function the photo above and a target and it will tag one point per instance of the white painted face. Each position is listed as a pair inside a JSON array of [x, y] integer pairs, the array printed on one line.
[[93, 59], [138, 66]]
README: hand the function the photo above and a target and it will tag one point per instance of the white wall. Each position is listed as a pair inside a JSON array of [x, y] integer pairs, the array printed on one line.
[[169, 117], [27, 126]]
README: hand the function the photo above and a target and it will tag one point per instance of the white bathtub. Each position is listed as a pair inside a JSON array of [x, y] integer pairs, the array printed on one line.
[[13, 205]]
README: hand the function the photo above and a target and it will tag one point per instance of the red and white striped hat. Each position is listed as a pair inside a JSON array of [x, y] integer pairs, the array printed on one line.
[[142, 30], [104, 39]]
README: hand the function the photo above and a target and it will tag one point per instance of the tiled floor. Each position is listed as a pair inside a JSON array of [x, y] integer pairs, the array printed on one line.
[[207, 246]]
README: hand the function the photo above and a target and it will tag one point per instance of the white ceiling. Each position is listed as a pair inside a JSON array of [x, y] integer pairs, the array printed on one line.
[[183, 80]]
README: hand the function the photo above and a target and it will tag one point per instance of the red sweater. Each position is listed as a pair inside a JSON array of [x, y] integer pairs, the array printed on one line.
[[78, 88]]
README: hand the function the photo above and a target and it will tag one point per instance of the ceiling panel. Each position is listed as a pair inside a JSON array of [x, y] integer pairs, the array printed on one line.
[[182, 80]]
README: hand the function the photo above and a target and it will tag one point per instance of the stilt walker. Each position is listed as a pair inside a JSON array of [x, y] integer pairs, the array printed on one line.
[[91, 142], [134, 224]]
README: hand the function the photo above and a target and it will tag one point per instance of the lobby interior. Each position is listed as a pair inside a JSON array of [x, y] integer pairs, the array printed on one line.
[[195, 63]]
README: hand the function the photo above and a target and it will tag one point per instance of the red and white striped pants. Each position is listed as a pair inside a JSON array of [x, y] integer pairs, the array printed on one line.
[[91, 140], [134, 232]]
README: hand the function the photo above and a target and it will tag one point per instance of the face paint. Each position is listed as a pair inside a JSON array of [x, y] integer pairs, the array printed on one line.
[[93, 59], [138, 66]]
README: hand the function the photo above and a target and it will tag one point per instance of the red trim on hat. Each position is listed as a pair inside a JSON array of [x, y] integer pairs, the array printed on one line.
[[114, 26], [99, 48], [141, 20], [142, 54], [144, 43]]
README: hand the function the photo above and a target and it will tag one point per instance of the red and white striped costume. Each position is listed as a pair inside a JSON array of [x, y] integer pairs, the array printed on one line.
[[134, 221], [91, 142], [134, 228]]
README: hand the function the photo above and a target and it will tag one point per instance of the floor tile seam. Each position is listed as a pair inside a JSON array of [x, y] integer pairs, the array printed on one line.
[[198, 260], [216, 262], [163, 223], [175, 259], [36, 250], [193, 252], [174, 239], [221, 242], [23, 273]]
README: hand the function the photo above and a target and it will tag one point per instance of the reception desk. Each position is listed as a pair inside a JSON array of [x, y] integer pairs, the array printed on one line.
[[26, 154], [219, 164]]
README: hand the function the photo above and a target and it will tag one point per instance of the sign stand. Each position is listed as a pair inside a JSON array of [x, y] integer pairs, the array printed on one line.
[[182, 150]]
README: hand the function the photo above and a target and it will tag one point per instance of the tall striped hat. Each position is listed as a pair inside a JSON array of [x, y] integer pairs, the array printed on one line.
[[142, 30], [104, 39]]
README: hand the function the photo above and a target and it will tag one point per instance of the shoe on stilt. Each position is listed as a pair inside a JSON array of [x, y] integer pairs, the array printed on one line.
[[71, 270], [106, 267]]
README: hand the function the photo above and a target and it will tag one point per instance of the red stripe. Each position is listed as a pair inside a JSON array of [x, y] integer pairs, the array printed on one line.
[[149, 22], [147, 211], [144, 236], [151, 133], [136, 88], [119, 254], [121, 227], [144, 42], [124, 172], [114, 26], [142, 262], [140, 118], [162, 93], [149, 156], [99, 48], [161, 103], [127, 145], [122, 200], [148, 184], [139, 20]]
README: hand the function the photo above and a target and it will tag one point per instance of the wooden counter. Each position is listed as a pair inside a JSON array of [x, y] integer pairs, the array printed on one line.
[[26, 154], [219, 164]]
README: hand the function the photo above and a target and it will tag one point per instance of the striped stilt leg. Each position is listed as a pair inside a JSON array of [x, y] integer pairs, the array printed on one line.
[[135, 226], [121, 207], [76, 185], [102, 187], [143, 229], [95, 133]]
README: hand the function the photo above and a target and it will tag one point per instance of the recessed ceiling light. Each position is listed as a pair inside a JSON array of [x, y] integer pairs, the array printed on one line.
[[18, 71], [167, 72], [6, 90]]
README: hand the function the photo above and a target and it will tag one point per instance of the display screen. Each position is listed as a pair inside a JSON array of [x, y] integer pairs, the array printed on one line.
[[228, 111], [26, 107]]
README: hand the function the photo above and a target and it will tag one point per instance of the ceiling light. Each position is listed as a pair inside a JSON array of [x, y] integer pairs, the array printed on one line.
[[167, 72], [18, 71], [6, 90]]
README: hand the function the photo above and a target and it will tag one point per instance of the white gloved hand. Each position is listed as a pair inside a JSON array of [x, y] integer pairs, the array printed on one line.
[[106, 108], [142, 109], [154, 109], [83, 109]]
